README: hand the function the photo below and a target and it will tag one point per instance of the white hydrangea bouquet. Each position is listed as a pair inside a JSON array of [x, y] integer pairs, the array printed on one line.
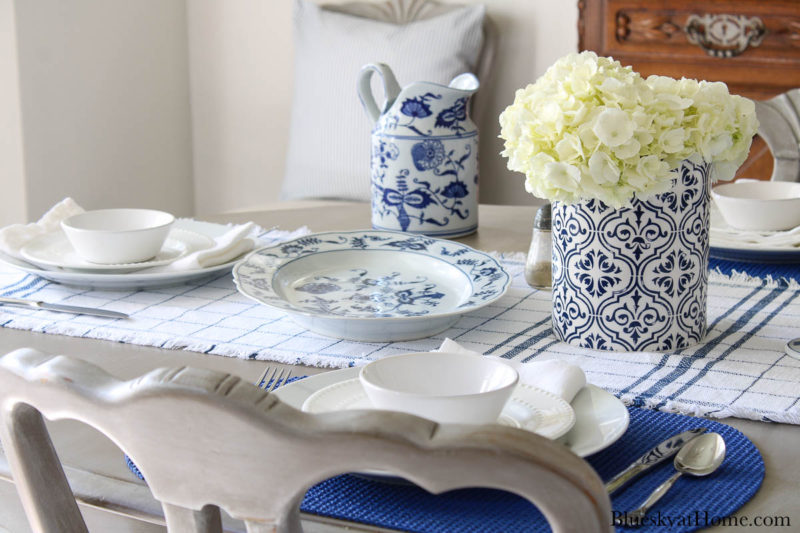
[[627, 163], [590, 128]]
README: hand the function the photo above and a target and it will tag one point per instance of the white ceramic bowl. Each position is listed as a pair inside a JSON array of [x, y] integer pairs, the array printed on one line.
[[113, 236], [445, 387], [759, 205]]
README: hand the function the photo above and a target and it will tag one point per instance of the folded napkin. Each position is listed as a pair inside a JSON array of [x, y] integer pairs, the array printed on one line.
[[13, 238], [756, 239], [558, 377], [227, 247]]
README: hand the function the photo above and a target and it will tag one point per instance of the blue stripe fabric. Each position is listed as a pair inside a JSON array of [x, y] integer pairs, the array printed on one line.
[[27, 283], [706, 348], [693, 503], [740, 369], [665, 358]]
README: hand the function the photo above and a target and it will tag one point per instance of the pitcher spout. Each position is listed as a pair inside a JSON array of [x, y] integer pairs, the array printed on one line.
[[462, 86], [466, 82]]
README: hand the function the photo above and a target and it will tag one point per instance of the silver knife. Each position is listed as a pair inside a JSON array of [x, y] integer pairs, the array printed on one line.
[[660, 453], [18, 302]]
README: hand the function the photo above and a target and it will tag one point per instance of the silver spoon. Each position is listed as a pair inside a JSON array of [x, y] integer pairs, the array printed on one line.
[[701, 456]]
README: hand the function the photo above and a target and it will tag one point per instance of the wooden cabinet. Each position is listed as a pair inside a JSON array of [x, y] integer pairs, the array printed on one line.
[[752, 45]]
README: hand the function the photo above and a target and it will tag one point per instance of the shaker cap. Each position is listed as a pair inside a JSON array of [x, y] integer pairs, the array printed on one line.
[[543, 217]]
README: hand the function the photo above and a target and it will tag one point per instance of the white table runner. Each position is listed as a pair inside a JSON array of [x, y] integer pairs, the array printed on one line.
[[740, 370]]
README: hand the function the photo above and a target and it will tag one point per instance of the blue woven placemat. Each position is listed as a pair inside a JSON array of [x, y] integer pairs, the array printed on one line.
[[691, 504], [756, 270]]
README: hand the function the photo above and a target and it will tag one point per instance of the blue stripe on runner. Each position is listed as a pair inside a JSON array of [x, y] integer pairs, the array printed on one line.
[[32, 282], [660, 365], [13, 287], [517, 335], [27, 293], [793, 403], [732, 347], [540, 350], [527, 344], [686, 363], [504, 311], [639, 400]]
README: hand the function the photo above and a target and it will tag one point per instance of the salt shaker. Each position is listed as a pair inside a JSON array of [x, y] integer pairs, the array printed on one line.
[[538, 266]]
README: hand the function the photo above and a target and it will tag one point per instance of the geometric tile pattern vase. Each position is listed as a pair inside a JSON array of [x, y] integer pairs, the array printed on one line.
[[634, 279]]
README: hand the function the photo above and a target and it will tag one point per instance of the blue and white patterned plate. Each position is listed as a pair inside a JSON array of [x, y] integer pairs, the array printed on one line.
[[373, 286]]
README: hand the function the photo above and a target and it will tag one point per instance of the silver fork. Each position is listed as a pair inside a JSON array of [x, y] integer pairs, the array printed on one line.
[[273, 377]]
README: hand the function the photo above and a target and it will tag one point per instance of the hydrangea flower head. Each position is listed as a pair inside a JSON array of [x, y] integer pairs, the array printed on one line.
[[590, 128]]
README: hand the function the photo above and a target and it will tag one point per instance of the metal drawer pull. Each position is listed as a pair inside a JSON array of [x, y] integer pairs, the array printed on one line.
[[723, 35]]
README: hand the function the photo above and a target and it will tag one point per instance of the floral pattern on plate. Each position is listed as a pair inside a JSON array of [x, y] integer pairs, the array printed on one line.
[[358, 293], [372, 285]]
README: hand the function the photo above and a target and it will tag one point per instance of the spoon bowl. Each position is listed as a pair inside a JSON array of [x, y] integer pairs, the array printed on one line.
[[700, 456]]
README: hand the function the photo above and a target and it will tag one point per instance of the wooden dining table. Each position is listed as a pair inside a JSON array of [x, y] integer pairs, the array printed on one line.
[[113, 500]]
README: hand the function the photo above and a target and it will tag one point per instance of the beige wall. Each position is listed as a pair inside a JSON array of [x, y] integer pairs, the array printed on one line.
[[241, 82], [12, 172], [105, 103], [184, 105], [533, 34]]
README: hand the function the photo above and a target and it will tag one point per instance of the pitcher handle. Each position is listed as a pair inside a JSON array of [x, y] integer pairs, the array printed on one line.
[[391, 89]]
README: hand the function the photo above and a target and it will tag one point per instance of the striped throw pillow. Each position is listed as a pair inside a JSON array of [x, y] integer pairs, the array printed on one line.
[[329, 145]]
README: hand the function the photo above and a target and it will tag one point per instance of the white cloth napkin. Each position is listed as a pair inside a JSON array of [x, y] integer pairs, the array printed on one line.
[[14, 237], [756, 239], [227, 247], [559, 377]]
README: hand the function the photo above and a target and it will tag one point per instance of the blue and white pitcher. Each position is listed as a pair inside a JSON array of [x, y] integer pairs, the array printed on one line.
[[424, 162]]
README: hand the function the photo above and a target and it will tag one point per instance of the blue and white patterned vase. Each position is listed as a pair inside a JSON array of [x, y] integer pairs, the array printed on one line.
[[634, 279], [424, 163]]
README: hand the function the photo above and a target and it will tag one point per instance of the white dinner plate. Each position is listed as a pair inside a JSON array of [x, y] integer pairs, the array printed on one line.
[[55, 250], [736, 245], [372, 286], [600, 417], [133, 280], [529, 408]]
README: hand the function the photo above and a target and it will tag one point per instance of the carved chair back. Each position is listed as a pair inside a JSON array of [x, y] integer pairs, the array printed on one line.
[[207, 440], [779, 126]]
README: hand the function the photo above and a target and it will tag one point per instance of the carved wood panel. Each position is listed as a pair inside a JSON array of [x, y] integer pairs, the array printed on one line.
[[752, 45], [773, 35]]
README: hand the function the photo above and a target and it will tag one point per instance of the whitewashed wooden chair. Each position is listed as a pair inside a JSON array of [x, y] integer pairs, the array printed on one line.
[[779, 126], [174, 423]]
